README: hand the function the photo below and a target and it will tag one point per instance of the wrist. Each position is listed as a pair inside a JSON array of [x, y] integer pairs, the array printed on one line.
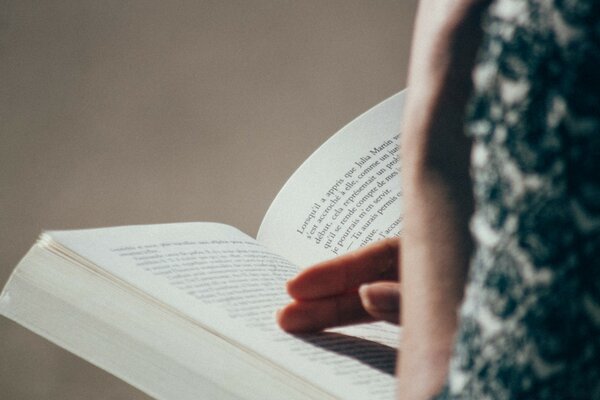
[[422, 368]]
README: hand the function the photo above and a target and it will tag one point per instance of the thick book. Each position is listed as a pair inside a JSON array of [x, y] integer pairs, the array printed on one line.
[[186, 310]]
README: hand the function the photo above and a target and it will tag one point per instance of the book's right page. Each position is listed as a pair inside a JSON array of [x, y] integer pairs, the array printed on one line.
[[345, 195]]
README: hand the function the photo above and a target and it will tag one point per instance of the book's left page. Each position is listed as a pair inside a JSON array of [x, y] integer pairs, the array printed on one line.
[[226, 284]]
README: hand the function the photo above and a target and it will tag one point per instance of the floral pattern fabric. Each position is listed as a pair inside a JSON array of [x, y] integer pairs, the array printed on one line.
[[530, 322]]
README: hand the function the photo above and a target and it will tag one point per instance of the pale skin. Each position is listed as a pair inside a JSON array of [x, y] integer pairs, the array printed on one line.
[[433, 259], [335, 292]]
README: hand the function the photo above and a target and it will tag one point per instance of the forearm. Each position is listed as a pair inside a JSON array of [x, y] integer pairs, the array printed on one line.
[[437, 189]]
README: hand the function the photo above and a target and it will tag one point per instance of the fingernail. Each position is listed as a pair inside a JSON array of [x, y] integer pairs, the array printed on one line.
[[364, 297], [380, 297]]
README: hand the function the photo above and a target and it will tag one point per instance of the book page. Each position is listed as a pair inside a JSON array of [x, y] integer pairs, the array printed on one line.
[[345, 195], [230, 285]]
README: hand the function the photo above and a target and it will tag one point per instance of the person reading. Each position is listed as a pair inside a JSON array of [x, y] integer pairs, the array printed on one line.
[[516, 314]]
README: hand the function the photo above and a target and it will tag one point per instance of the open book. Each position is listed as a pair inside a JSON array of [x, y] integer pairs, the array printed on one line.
[[186, 311]]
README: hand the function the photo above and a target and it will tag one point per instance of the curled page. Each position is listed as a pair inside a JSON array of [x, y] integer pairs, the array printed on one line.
[[345, 195]]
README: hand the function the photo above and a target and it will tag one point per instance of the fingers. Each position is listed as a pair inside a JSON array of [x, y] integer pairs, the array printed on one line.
[[326, 294], [381, 300], [316, 315], [376, 301], [378, 261]]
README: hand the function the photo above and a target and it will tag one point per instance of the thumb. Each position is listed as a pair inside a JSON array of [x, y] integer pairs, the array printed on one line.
[[381, 300]]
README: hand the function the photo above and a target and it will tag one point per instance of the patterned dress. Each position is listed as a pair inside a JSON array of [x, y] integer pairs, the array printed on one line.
[[530, 322]]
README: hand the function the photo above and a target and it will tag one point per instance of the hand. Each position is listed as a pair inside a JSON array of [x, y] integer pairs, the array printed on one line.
[[361, 286]]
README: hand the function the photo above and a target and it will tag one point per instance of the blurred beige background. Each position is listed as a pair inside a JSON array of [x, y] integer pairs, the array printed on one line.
[[130, 112]]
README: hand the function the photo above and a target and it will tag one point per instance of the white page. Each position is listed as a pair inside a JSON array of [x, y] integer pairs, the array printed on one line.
[[159, 352], [345, 195], [230, 285]]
